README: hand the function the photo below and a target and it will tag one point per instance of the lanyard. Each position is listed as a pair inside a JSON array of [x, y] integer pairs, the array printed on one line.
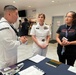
[[66, 33]]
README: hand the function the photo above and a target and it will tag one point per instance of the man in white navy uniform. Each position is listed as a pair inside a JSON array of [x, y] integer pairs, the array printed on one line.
[[8, 37], [41, 35]]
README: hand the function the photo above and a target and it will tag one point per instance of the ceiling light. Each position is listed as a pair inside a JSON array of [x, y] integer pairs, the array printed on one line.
[[53, 1], [29, 6], [14, 1]]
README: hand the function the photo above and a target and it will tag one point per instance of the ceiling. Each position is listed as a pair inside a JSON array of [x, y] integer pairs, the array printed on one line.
[[32, 4]]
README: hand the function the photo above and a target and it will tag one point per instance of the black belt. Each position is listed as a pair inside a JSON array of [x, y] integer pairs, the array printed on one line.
[[43, 40]]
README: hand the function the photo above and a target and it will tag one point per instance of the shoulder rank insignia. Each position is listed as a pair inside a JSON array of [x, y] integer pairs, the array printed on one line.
[[45, 27]]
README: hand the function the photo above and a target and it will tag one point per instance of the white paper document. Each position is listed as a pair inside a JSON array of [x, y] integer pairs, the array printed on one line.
[[32, 70], [72, 69], [37, 58]]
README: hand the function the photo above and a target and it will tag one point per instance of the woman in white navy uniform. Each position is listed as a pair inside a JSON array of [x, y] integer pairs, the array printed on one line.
[[8, 37], [41, 35]]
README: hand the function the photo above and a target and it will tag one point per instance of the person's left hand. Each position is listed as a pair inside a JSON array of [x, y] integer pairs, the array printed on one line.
[[65, 42], [45, 45]]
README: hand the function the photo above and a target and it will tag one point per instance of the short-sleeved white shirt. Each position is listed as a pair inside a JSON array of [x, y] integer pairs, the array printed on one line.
[[40, 31]]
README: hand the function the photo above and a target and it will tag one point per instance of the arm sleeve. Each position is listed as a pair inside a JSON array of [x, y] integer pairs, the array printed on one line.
[[49, 33], [8, 40], [32, 32], [59, 30]]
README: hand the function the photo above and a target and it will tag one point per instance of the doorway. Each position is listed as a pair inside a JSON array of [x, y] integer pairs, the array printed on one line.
[[56, 22]]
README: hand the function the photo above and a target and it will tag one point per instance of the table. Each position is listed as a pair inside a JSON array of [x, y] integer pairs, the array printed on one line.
[[49, 70]]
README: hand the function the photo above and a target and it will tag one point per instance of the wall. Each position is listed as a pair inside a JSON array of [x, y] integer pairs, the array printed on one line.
[[31, 13], [55, 10]]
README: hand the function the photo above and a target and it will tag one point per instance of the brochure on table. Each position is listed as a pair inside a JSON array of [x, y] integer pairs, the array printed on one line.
[[37, 58], [32, 70], [72, 69]]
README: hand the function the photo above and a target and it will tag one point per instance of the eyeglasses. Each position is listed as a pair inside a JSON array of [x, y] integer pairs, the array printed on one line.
[[68, 17]]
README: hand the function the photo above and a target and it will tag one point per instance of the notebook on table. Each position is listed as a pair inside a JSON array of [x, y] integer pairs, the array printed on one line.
[[53, 63]]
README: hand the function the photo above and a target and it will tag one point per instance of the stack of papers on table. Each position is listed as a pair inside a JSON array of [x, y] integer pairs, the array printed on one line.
[[37, 58], [32, 70], [72, 69]]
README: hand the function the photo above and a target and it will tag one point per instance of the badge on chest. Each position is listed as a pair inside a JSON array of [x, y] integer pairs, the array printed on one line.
[[37, 27], [45, 28]]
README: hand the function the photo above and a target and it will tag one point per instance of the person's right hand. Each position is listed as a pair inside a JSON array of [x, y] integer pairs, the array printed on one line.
[[23, 39], [64, 42], [43, 45]]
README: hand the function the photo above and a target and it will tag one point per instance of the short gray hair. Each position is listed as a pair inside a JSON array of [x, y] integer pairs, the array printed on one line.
[[9, 7]]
